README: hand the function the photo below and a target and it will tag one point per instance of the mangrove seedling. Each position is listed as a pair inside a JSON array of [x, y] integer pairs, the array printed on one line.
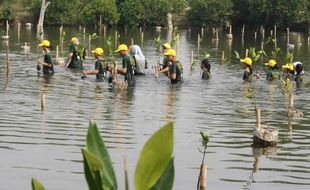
[[36, 185], [205, 140]]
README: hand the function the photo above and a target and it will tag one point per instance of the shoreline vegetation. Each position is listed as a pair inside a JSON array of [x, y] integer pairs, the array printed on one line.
[[168, 14]]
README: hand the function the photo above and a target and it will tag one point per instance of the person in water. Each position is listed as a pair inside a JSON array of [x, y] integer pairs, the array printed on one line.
[[164, 66], [175, 68], [272, 72], [298, 72], [247, 69], [46, 61], [128, 64], [139, 58], [75, 57], [206, 69], [101, 67], [288, 71]]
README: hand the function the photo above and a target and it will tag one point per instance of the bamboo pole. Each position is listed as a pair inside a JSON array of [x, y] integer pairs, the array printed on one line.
[[191, 60], [57, 54], [255, 35], [132, 41], [203, 177], [142, 37], [7, 56], [223, 56], [258, 121], [202, 31], [246, 52], [43, 102], [89, 43], [229, 35], [262, 45], [18, 30], [7, 28], [263, 34], [217, 34], [290, 111], [198, 41], [275, 31], [242, 31], [298, 39], [288, 35]]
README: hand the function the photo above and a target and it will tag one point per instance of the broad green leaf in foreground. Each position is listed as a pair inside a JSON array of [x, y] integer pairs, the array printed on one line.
[[36, 185], [154, 158], [92, 169], [166, 180], [96, 146]]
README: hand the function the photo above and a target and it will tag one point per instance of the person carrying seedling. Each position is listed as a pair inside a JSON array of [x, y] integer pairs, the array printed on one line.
[[75, 57], [175, 68], [128, 64], [272, 72], [247, 69], [46, 61], [205, 67], [101, 67]]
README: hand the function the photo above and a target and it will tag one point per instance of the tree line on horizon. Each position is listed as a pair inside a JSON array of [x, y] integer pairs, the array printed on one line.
[[148, 13]]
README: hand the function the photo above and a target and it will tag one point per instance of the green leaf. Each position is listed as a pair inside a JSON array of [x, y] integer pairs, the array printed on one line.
[[95, 145], [165, 182], [92, 169], [154, 158], [36, 185]]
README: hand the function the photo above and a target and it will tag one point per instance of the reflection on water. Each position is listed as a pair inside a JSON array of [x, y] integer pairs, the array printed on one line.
[[47, 144]]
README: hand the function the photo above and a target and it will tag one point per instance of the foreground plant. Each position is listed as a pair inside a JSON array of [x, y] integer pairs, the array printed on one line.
[[154, 170]]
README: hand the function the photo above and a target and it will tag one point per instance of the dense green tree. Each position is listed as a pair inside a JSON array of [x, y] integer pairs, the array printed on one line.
[[6, 10], [132, 13], [106, 8], [63, 12], [210, 12]]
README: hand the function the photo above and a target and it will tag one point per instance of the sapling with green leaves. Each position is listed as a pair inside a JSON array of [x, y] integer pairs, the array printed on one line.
[[205, 140]]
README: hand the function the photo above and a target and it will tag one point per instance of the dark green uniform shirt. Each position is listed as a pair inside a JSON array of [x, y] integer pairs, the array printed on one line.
[[272, 74], [176, 68], [48, 59], [247, 76], [165, 62], [76, 60], [129, 63], [102, 68]]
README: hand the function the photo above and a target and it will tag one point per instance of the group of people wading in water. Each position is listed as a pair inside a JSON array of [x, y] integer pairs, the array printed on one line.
[[134, 63]]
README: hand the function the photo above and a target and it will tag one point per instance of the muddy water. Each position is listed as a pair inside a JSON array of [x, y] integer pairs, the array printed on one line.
[[48, 144]]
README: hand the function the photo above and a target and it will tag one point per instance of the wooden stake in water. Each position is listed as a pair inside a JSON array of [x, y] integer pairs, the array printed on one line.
[[242, 31], [142, 37], [275, 31], [255, 35], [298, 40], [229, 36], [191, 61], [263, 34], [198, 41], [7, 28], [202, 31], [258, 121], [104, 31], [18, 30], [203, 177], [132, 42], [262, 45], [223, 56], [246, 52], [89, 43], [57, 54], [116, 41], [42, 102], [290, 111], [217, 34], [189, 32], [288, 35]]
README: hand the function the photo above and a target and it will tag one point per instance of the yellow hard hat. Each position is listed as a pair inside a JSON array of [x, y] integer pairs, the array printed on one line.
[[122, 47], [288, 66], [98, 51], [45, 43], [74, 40], [167, 46], [171, 52], [246, 60], [271, 63]]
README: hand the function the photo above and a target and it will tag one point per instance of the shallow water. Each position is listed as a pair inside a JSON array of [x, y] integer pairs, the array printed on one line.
[[48, 144]]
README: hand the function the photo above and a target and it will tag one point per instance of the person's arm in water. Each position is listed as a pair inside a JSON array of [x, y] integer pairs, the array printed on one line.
[[162, 71]]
